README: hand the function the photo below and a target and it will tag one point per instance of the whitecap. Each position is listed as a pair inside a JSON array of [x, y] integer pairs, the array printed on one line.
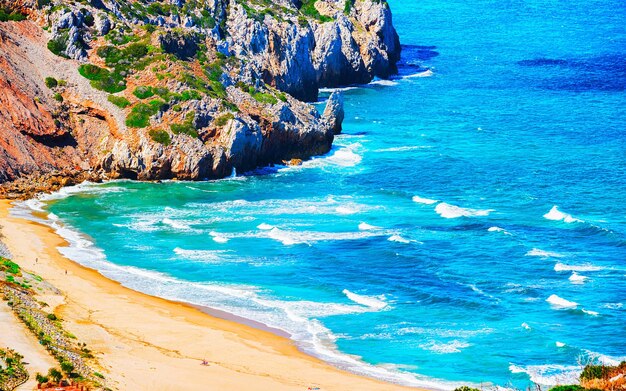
[[342, 156], [176, 224], [556, 215], [425, 201], [498, 229], [560, 303], [591, 313], [559, 344], [210, 256], [614, 306], [265, 227], [561, 267], [604, 359], [217, 237], [426, 73], [445, 347], [525, 326], [398, 238], [405, 148], [537, 252], [345, 210], [383, 82], [576, 278], [375, 302], [367, 227], [449, 211], [550, 374]]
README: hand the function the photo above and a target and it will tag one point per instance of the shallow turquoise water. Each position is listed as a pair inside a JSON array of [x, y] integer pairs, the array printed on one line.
[[525, 110]]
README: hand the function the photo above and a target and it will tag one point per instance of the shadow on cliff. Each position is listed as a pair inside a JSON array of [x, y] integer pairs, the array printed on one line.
[[602, 73]]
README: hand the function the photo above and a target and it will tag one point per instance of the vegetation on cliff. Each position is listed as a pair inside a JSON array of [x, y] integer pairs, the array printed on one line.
[[192, 89]]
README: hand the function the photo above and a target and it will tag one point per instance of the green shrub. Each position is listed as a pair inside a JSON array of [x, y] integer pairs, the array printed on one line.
[[92, 72], [52, 317], [223, 119], [186, 128], [58, 97], [58, 46], [190, 95], [595, 372], [119, 101], [143, 92], [62, 83], [51, 82], [308, 9], [572, 387], [9, 266], [466, 388], [163, 92], [5, 16], [139, 117], [265, 98], [102, 79], [160, 136], [347, 7]]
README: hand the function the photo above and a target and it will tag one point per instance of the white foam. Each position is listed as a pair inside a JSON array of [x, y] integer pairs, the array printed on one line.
[[613, 306], [374, 302], [550, 374], [398, 238], [345, 210], [449, 211], [426, 73], [561, 267], [559, 344], [265, 227], [210, 256], [525, 326], [604, 359], [383, 82], [498, 229], [404, 148], [560, 303], [537, 252], [367, 227], [576, 278], [218, 238], [445, 347], [556, 215], [179, 225], [345, 156], [296, 318], [591, 313], [425, 201]]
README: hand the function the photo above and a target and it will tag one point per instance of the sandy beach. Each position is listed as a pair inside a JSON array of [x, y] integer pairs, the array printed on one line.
[[148, 343]]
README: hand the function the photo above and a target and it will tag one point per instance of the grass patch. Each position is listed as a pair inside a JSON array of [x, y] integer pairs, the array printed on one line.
[[58, 97], [186, 127], [263, 97], [119, 101], [9, 266]]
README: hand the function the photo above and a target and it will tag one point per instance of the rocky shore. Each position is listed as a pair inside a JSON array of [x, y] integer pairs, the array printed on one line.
[[180, 89]]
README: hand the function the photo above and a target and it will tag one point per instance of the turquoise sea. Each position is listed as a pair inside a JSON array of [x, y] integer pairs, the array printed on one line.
[[469, 226]]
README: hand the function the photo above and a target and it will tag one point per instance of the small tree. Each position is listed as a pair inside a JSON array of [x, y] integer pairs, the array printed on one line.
[[55, 375]]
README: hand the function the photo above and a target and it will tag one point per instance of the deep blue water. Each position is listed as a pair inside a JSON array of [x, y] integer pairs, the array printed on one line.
[[525, 110]]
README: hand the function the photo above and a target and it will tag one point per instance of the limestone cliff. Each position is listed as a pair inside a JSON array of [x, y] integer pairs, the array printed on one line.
[[187, 89]]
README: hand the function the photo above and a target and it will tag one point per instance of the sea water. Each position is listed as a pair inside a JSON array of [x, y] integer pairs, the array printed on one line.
[[467, 227]]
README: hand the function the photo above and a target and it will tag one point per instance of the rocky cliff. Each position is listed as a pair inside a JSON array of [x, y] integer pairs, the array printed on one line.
[[187, 89]]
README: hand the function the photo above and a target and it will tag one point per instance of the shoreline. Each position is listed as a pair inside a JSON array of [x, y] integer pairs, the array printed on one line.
[[138, 334]]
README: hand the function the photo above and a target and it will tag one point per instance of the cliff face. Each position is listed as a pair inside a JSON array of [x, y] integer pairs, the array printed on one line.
[[187, 89]]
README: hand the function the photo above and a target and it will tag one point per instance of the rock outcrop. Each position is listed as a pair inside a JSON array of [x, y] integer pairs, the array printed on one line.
[[179, 89]]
